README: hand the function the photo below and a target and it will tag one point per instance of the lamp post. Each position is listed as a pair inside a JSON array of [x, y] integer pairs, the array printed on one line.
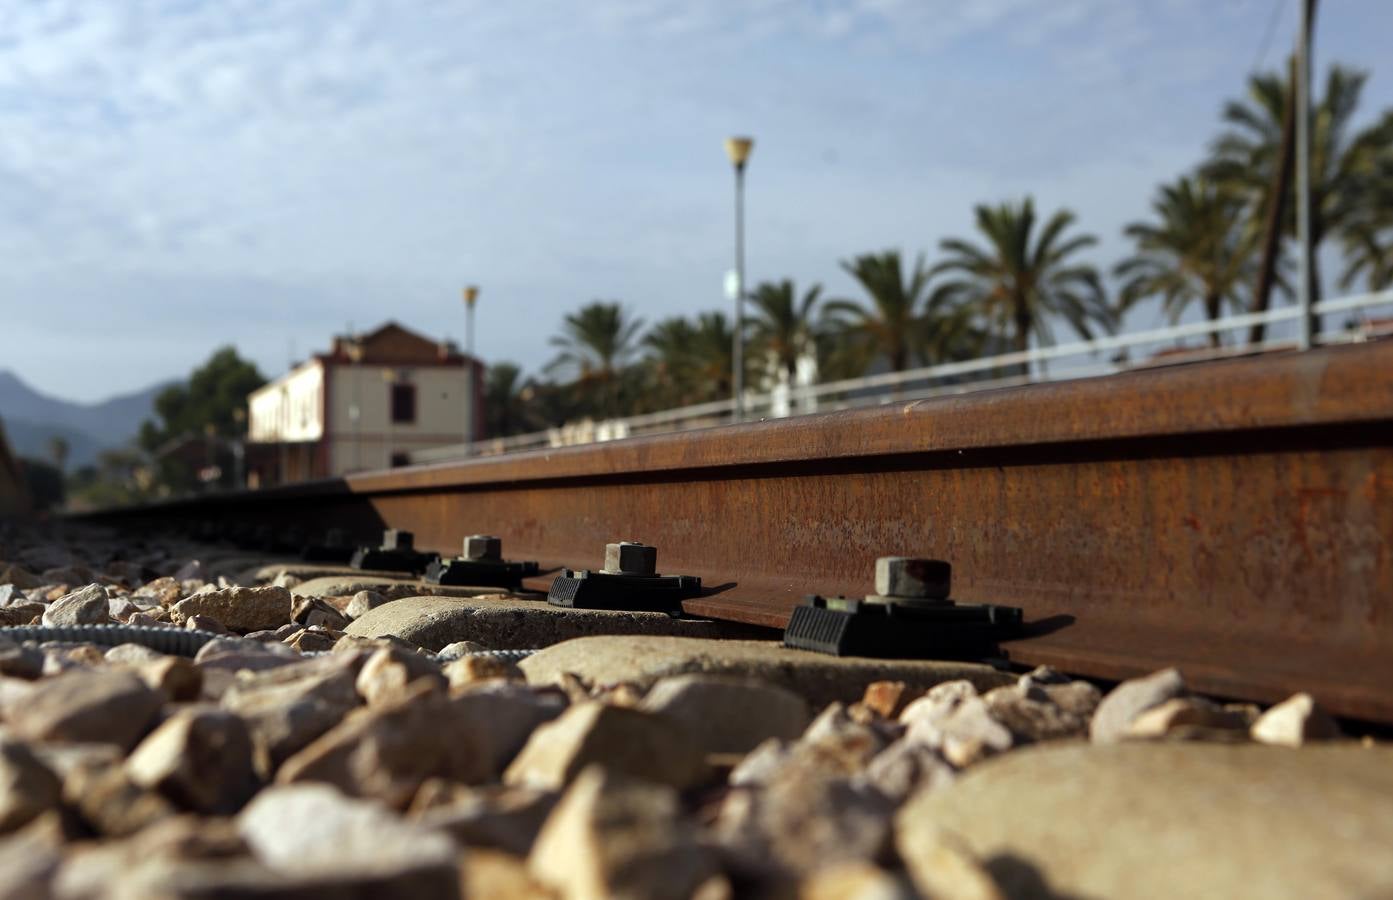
[[1304, 287], [471, 295], [738, 149]]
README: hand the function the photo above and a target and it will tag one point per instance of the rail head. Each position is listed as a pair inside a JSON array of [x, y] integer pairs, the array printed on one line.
[[1339, 385]]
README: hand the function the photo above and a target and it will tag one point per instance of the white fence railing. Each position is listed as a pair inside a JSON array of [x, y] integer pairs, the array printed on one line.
[[1078, 359]]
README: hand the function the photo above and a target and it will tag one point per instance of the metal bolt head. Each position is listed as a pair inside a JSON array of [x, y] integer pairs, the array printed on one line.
[[630, 558], [483, 546], [912, 578], [397, 539]]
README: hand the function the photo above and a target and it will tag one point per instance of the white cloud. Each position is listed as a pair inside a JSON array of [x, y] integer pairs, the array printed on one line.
[[234, 170]]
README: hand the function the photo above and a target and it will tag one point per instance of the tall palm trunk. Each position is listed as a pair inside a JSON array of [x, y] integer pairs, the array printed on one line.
[[1212, 309], [1022, 335]]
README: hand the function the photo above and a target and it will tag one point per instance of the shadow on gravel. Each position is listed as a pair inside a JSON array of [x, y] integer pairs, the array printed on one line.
[[1020, 879]]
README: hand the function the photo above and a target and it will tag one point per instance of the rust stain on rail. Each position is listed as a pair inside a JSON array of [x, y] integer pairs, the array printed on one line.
[[1233, 518]]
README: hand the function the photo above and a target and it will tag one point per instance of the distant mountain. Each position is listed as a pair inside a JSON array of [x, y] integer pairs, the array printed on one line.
[[32, 440], [32, 418]]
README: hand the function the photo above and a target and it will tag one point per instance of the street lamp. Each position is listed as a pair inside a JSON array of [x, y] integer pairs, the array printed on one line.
[[738, 149], [471, 295]]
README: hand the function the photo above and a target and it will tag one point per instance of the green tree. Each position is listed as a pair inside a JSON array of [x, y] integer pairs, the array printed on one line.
[[1368, 248], [670, 362], [58, 451], [503, 408], [1195, 249], [902, 321], [1023, 277], [213, 394], [1350, 171], [597, 342], [783, 326], [690, 362], [713, 356], [44, 482], [210, 405], [119, 478]]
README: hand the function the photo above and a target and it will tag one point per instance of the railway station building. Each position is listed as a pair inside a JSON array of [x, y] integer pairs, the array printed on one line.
[[366, 404]]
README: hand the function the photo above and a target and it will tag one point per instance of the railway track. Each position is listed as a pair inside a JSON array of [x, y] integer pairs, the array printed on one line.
[[1233, 518]]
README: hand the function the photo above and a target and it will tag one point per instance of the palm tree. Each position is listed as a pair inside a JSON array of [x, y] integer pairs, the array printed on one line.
[[669, 345], [901, 321], [503, 413], [783, 326], [597, 341], [1197, 248], [713, 356], [1350, 173], [1368, 247], [1023, 277]]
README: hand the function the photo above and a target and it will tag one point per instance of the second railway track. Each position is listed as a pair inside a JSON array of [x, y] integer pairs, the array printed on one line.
[[1234, 519]]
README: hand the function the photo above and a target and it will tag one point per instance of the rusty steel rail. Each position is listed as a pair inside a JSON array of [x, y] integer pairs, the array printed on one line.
[[1233, 518]]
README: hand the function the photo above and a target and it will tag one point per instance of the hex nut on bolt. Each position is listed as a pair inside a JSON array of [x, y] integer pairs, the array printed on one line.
[[630, 558], [483, 546], [912, 578]]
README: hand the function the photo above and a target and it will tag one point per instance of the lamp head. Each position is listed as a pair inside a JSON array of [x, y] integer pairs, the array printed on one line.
[[738, 149], [471, 294]]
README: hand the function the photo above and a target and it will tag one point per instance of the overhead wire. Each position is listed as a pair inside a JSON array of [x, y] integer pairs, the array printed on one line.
[[1266, 43]]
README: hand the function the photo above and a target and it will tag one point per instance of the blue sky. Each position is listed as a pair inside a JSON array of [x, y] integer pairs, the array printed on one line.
[[175, 175]]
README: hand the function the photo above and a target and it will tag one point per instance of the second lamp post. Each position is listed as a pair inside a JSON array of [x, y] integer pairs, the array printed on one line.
[[471, 295], [738, 149]]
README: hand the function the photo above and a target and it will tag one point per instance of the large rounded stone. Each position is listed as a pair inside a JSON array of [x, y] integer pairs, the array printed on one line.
[[729, 715], [393, 588], [240, 609], [1172, 819], [819, 679], [502, 623]]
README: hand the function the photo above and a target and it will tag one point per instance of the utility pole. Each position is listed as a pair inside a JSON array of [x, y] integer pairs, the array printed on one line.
[[738, 149], [1305, 288]]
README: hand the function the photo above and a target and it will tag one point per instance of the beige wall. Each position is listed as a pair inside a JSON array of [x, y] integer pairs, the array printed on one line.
[[369, 442], [289, 408]]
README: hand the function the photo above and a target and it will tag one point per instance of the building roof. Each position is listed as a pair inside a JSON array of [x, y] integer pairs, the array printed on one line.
[[391, 344]]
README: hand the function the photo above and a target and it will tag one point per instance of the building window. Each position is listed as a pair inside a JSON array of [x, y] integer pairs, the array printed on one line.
[[399, 460], [403, 404]]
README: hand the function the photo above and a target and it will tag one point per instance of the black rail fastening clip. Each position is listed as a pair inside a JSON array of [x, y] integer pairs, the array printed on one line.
[[629, 580], [910, 616], [396, 554], [482, 565]]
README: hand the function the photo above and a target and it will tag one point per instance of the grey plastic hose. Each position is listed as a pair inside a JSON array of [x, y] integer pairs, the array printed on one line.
[[510, 655], [171, 641]]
